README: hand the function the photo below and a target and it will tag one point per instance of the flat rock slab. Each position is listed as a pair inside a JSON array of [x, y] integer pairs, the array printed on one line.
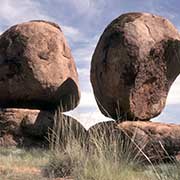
[[37, 70], [134, 65], [141, 142], [158, 141]]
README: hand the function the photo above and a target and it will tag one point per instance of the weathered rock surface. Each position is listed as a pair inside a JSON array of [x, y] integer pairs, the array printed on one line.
[[68, 130], [105, 131], [138, 140], [25, 127], [37, 70], [141, 141], [134, 65], [31, 128], [158, 141]]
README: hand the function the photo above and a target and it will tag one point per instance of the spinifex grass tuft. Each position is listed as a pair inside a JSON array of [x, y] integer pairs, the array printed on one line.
[[102, 154]]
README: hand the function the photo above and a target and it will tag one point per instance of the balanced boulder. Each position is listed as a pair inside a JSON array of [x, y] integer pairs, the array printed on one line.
[[37, 70], [134, 66]]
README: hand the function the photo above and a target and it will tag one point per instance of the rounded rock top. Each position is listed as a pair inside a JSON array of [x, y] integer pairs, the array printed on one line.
[[134, 65], [37, 69]]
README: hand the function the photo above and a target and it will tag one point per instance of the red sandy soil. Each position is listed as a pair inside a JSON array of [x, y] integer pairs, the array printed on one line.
[[29, 170]]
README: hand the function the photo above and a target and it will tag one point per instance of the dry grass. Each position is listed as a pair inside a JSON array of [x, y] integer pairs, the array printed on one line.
[[78, 156], [20, 164], [103, 157]]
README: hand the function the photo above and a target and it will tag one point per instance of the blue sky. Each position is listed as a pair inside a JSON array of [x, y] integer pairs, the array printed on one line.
[[83, 21]]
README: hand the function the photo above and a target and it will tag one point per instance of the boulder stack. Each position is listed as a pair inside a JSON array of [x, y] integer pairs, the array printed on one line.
[[38, 76]]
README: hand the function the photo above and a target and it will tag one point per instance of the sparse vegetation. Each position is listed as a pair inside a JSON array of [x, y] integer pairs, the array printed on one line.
[[21, 164], [103, 157], [98, 158]]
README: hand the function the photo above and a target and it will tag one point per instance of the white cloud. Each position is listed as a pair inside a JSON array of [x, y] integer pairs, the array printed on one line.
[[83, 56], [81, 6], [88, 119], [171, 113], [167, 117], [174, 93], [92, 118], [15, 11], [85, 52], [90, 8], [72, 34], [87, 100], [84, 72]]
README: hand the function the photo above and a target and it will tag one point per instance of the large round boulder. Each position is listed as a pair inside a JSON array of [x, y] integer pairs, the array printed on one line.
[[37, 70], [134, 66]]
